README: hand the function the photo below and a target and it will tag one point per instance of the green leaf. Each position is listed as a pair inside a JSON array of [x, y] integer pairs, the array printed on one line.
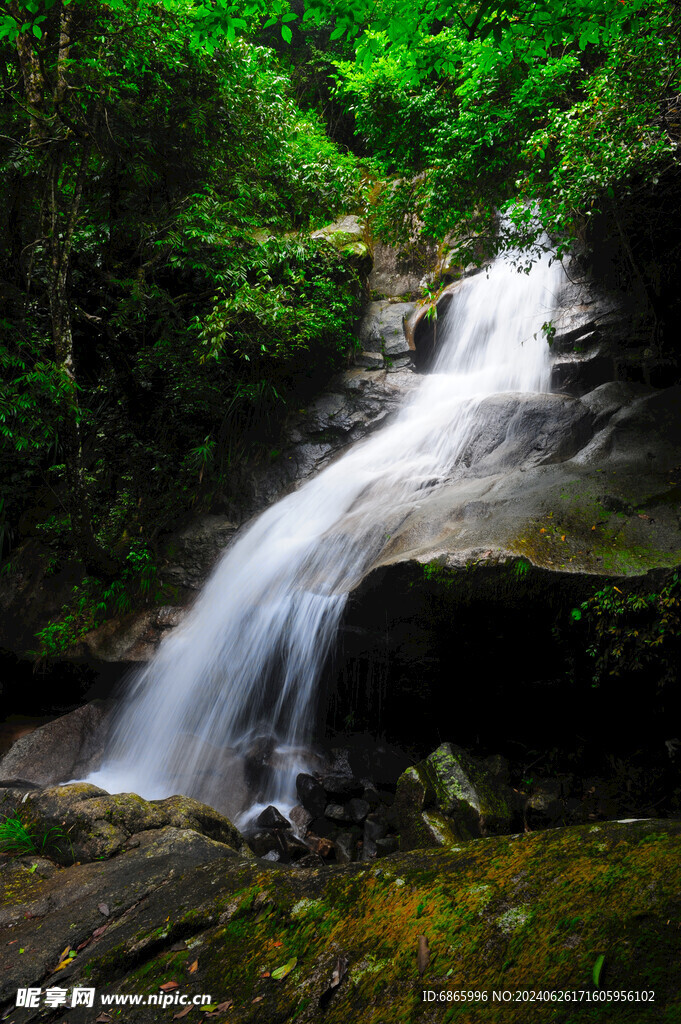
[[286, 34], [280, 973], [598, 967]]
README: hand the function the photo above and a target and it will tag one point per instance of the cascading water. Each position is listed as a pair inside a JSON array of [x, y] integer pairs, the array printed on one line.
[[246, 661]]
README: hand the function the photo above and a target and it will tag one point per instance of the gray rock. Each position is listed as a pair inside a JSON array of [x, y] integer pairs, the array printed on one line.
[[358, 809], [67, 748], [374, 827], [300, 819], [387, 845], [338, 812], [369, 850], [382, 328], [346, 847], [400, 272]]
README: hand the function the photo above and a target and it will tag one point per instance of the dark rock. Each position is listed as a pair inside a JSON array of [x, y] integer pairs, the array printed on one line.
[[271, 818], [369, 850], [264, 842], [322, 826], [375, 827], [338, 812], [387, 846], [257, 767], [372, 797], [341, 785], [294, 848], [346, 847], [321, 845], [357, 809], [311, 794]]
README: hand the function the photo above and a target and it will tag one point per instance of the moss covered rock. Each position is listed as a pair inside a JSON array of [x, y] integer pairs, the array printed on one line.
[[85, 823], [529, 913], [451, 796]]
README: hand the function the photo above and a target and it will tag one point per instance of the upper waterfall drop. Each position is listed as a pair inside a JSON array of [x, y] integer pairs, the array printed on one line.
[[246, 661]]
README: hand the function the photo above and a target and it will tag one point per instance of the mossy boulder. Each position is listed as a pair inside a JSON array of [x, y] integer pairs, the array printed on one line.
[[451, 796], [85, 823], [519, 914], [347, 237]]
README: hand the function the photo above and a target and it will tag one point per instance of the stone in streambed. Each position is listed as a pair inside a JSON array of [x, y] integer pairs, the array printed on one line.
[[374, 827], [338, 812], [357, 809], [300, 820], [346, 847], [271, 818], [341, 785], [311, 794], [387, 846]]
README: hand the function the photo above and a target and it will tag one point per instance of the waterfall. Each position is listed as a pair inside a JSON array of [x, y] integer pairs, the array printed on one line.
[[243, 667]]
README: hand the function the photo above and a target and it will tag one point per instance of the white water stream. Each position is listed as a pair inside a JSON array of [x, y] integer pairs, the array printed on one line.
[[245, 663]]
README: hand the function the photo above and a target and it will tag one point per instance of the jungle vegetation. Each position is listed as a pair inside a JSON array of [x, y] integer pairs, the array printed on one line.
[[164, 164]]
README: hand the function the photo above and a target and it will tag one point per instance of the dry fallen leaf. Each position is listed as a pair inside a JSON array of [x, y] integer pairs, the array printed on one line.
[[103, 1018], [178, 947], [258, 999], [193, 968], [266, 974], [274, 943], [337, 976], [169, 986], [98, 932], [103, 908], [183, 1013], [423, 956]]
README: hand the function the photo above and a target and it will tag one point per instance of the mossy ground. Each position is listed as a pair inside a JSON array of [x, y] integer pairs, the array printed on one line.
[[528, 912]]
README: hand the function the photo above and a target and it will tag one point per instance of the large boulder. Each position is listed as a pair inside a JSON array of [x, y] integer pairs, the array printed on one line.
[[587, 909], [450, 796], [66, 748], [83, 823]]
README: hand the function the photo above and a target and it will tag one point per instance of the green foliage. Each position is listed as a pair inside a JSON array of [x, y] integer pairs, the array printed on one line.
[[21, 834], [557, 112], [201, 179], [633, 631], [93, 601]]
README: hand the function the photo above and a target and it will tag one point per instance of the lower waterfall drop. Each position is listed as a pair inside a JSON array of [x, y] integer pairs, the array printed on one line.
[[246, 661]]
